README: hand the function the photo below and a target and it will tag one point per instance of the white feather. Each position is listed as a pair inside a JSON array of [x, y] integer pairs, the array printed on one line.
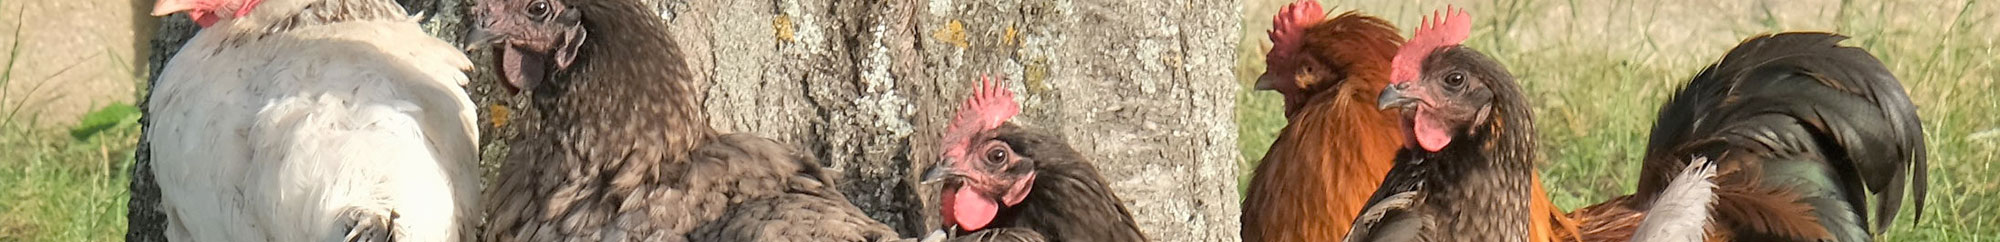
[[1680, 213]]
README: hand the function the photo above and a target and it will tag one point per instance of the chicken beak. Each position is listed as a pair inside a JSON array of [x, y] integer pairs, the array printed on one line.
[[1393, 97], [1267, 82], [939, 172], [479, 39]]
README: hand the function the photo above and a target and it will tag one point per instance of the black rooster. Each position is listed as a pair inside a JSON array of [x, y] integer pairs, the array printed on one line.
[[1803, 131]]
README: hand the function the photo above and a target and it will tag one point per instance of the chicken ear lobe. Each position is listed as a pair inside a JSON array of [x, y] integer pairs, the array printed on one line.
[[572, 40], [1020, 190]]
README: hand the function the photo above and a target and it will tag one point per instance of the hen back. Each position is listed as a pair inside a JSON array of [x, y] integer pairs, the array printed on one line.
[[1805, 133], [299, 123], [619, 150]]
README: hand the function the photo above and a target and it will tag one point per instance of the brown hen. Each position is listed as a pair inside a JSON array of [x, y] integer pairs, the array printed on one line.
[[617, 147], [1005, 182]]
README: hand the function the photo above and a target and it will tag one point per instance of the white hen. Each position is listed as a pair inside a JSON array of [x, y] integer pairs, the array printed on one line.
[[313, 120]]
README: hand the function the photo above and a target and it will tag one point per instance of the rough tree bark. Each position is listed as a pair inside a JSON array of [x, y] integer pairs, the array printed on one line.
[[1143, 87]]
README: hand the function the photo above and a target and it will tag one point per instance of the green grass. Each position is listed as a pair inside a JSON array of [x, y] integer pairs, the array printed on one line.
[[1598, 70], [56, 183]]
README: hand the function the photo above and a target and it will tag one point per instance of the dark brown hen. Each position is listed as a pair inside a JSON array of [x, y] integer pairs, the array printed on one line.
[[1470, 175], [616, 148], [1806, 135], [1003, 182]]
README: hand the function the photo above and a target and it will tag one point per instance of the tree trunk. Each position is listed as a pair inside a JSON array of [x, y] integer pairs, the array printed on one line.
[[1143, 88]]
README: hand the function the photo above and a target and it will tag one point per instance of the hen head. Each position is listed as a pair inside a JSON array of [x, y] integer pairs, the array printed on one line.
[[1443, 88], [1312, 54], [1287, 67], [533, 36], [981, 174], [204, 12]]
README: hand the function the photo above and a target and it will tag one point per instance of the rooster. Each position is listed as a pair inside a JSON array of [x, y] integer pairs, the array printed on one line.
[[1004, 182], [1469, 175], [1338, 144], [1805, 133], [615, 146], [313, 120]]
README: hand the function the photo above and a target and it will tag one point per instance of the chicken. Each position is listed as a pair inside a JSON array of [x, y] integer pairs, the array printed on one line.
[[1469, 175], [313, 120], [615, 147], [1337, 145], [1804, 133], [1004, 182]]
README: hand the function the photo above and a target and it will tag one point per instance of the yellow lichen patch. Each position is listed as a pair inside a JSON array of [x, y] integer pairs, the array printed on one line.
[[1011, 37], [498, 114], [1033, 73], [783, 26], [953, 33]]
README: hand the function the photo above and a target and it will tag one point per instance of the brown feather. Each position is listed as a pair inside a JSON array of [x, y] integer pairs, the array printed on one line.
[[1768, 211], [1549, 223], [1613, 220]]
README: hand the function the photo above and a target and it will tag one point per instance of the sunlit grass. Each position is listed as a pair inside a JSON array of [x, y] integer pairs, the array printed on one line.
[[1598, 81], [61, 183]]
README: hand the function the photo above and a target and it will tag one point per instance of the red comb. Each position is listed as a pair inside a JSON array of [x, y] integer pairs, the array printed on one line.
[[1288, 28], [1440, 30], [990, 105]]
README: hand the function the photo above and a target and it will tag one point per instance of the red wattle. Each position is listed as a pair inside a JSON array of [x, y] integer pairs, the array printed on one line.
[[968, 210], [1431, 134]]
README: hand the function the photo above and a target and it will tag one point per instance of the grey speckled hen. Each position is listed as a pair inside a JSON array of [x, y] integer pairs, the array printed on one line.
[[1469, 177], [616, 147]]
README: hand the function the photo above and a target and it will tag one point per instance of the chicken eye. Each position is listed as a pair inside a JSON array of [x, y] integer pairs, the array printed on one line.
[[996, 155], [1454, 80], [539, 9]]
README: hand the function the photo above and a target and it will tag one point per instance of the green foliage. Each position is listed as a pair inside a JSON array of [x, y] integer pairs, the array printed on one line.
[[117, 116]]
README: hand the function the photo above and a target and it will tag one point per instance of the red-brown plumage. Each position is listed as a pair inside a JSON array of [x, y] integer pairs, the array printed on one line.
[[1337, 145]]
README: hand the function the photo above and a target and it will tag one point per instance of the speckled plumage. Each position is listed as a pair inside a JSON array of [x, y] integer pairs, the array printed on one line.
[[616, 148], [1478, 187], [1069, 200]]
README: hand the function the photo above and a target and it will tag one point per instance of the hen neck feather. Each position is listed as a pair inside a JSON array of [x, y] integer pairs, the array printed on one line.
[[1340, 132], [278, 16], [629, 82]]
